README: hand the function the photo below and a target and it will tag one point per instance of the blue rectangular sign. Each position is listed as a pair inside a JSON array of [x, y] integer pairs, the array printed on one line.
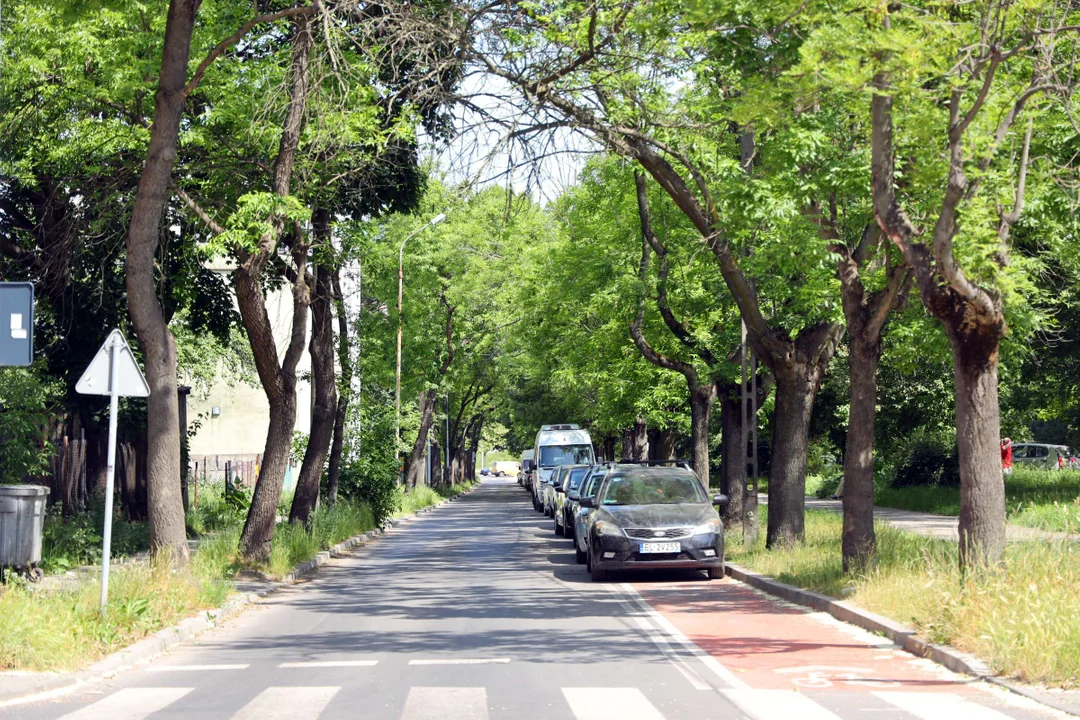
[[16, 323]]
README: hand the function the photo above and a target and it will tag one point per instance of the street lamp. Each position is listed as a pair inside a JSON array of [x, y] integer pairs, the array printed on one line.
[[400, 291]]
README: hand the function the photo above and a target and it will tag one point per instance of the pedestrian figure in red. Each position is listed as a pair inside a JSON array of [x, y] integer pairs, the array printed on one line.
[[1006, 456]]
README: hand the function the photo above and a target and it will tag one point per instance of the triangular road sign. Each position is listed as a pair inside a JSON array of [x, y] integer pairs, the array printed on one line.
[[129, 378]]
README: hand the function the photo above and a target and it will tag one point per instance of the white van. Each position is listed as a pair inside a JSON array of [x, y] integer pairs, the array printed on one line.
[[563, 444]]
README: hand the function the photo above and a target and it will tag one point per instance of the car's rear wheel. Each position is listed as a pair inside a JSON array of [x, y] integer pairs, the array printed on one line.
[[578, 555], [716, 573], [567, 527], [558, 529]]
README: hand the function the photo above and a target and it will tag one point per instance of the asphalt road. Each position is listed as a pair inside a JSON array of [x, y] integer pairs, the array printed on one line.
[[478, 611]]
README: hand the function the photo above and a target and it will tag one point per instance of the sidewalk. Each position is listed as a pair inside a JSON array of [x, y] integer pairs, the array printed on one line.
[[943, 527]]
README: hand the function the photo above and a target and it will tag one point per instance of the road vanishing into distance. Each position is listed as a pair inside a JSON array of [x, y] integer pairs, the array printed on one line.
[[478, 611]]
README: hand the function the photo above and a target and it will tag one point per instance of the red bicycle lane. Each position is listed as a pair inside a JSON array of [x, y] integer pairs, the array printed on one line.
[[772, 645]]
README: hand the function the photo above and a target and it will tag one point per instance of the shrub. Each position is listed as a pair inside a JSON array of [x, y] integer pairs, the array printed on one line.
[[379, 490], [927, 459], [27, 402]]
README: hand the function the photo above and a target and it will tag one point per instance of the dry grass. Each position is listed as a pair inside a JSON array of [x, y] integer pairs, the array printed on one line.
[[1023, 620]]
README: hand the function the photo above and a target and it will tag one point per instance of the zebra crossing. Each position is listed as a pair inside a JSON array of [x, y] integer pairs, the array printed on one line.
[[579, 703]]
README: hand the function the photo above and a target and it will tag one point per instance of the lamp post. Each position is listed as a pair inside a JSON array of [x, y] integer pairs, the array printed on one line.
[[400, 292]]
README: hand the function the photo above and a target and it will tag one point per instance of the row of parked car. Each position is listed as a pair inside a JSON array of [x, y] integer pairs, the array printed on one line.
[[630, 515]]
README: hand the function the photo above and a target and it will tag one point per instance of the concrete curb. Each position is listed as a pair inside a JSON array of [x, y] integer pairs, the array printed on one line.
[[902, 635], [167, 638]]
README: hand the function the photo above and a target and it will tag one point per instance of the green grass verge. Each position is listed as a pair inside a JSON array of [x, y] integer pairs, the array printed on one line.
[[1023, 620], [424, 496], [1044, 499]]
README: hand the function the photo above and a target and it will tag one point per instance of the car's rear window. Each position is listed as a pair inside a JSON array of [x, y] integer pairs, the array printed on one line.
[[652, 489], [576, 477]]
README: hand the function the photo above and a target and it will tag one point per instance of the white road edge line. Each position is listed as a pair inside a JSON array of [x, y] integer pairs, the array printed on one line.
[[658, 640], [196, 668], [329, 664], [461, 661], [706, 659]]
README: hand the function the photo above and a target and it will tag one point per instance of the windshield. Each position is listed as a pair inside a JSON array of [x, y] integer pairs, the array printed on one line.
[[576, 477], [552, 455], [653, 490]]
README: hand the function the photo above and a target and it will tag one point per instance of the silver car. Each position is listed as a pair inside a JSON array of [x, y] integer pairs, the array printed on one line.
[[1040, 455], [589, 485]]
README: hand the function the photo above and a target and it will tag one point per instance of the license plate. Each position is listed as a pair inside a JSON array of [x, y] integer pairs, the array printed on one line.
[[660, 547]]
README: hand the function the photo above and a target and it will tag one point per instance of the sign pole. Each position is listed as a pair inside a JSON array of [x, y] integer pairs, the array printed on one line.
[[114, 402]]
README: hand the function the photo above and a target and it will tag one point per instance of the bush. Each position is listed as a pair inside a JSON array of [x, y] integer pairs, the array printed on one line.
[[76, 540], [927, 459], [378, 490], [27, 402]]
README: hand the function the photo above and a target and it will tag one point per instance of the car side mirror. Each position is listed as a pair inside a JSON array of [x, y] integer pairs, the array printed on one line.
[[572, 495], [720, 500], [587, 502]]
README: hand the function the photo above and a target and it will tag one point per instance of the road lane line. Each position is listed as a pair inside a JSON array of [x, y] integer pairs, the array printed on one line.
[[130, 704], [287, 703], [673, 657], [774, 704], [196, 668], [329, 664], [591, 703], [934, 706], [446, 703], [706, 659], [460, 661]]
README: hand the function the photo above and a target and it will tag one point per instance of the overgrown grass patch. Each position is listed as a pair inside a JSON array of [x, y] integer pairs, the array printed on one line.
[[424, 496], [1023, 620], [64, 630]]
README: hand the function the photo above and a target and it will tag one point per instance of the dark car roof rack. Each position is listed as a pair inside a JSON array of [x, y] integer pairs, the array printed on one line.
[[647, 463]]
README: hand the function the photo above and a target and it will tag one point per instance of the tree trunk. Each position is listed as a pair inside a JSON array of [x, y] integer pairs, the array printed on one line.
[[796, 387], [166, 511], [278, 381], [414, 467], [702, 397], [636, 440], [345, 391], [609, 448], [474, 444], [978, 438], [325, 388], [436, 459], [859, 543], [665, 445], [733, 443]]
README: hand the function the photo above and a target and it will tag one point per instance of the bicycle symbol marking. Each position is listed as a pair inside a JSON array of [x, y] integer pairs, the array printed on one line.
[[816, 677]]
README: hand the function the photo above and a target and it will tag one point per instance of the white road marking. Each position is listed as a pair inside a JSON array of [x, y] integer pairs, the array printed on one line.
[[287, 702], [196, 668], [446, 703], [130, 704], [658, 640], [461, 661], [610, 704], [330, 664], [935, 706], [775, 704]]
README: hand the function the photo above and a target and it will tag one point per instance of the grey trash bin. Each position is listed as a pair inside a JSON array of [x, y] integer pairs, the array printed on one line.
[[22, 515]]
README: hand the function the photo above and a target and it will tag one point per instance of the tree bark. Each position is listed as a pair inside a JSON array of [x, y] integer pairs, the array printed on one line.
[[733, 443], [436, 459], [344, 391], [859, 543], [665, 445], [166, 512], [325, 385], [636, 440], [796, 388], [702, 397], [978, 433], [414, 466], [278, 381]]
